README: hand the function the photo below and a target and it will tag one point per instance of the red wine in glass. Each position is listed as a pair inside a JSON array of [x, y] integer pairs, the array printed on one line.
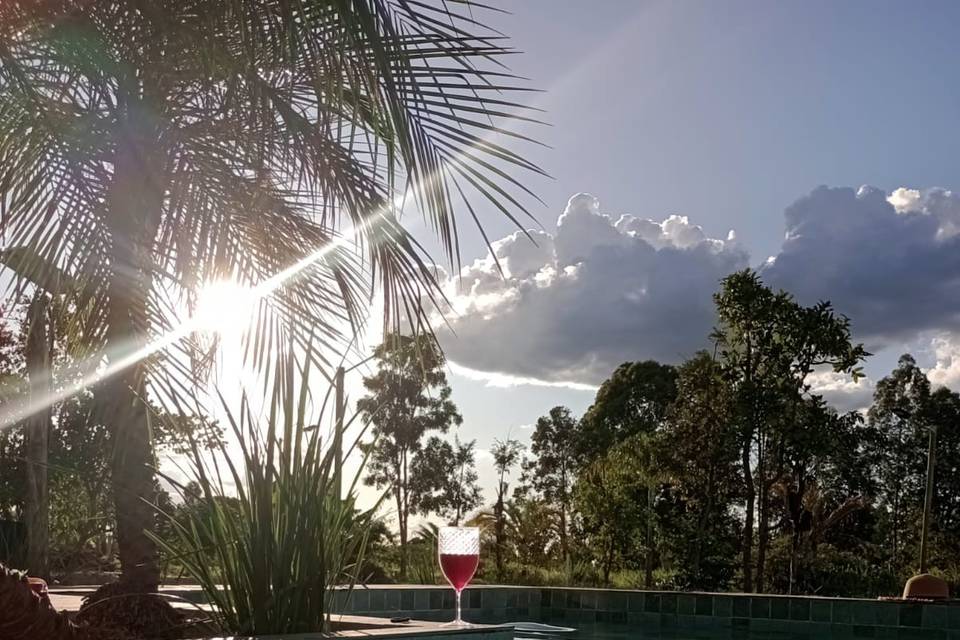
[[459, 551], [459, 568]]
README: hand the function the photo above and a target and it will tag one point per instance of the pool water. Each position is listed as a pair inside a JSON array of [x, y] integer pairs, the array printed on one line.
[[621, 633]]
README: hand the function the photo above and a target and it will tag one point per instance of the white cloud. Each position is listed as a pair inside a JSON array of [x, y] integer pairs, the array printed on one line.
[[505, 380], [573, 304], [946, 369], [588, 297], [840, 391]]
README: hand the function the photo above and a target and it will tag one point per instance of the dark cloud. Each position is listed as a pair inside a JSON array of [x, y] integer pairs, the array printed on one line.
[[592, 295], [892, 264], [598, 292]]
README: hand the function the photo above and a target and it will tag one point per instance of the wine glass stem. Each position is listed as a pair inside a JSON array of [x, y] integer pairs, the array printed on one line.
[[458, 620]]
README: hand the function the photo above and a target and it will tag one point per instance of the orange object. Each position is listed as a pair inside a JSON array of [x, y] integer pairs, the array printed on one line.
[[926, 587]]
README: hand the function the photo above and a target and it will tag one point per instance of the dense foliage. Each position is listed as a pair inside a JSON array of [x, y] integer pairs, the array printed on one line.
[[729, 472]]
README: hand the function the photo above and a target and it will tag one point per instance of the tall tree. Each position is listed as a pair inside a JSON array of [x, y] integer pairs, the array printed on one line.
[[613, 498], [407, 398], [634, 399], [149, 148], [506, 455], [768, 345], [900, 414], [551, 471], [699, 450], [444, 479]]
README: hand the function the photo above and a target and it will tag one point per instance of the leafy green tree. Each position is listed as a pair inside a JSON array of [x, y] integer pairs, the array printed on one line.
[[634, 399], [944, 414], [551, 472], [768, 345], [698, 448], [900, 414], [506, 455], [12, 477], [407, 398], [147, 150], [612, 499], [444, 479]]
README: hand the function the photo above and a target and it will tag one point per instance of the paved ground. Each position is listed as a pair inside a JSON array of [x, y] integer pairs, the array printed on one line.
[[70, 598]]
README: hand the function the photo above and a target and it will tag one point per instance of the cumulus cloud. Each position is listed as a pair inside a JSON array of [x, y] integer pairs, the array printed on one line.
[[573, 304], [946, 369], [889, 262], [840, 391]]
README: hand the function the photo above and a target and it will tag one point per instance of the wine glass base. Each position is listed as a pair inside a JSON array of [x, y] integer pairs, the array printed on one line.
[[457, 624]]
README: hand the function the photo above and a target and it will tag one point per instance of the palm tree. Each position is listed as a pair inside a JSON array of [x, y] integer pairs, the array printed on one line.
[[150, 146]]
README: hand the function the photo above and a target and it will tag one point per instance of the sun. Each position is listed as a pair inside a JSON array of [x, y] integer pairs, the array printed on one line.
[[224, 307]]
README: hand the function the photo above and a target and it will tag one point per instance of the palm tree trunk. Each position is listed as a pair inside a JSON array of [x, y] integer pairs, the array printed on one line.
[[37, 435], [135, 202]]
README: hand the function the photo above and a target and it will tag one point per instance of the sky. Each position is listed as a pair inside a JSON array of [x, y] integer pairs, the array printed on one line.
[[730, 117], [816, 141]]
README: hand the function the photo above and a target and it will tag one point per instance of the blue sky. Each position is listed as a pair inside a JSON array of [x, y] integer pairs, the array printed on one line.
[[728, 113], [731, 114]]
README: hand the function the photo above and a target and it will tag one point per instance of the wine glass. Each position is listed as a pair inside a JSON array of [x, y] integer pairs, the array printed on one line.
[[459, 552]]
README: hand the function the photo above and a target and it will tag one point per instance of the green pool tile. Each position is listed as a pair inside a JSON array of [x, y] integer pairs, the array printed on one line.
[[759, 608], [407, 599], [359, 600], [865, 613], [436, 599], [686, 622], [586, 616], [651, 603], [887, 633], [421, 599], [523, 597], [888, 614], [618, 601], [546, 598], [474, 598], [953, 617], [821, 611], [722, 606], [911, 615], [934, 616], [618, 617], [392, 601], [650, 620], [740, 624], [588, 599], [780, 608], [635, 602], [864, 631], [572, 600], [741, 606], [842, 612], [686, 604], [668, 603], [799, 609], [704, 606], [904, 633]]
